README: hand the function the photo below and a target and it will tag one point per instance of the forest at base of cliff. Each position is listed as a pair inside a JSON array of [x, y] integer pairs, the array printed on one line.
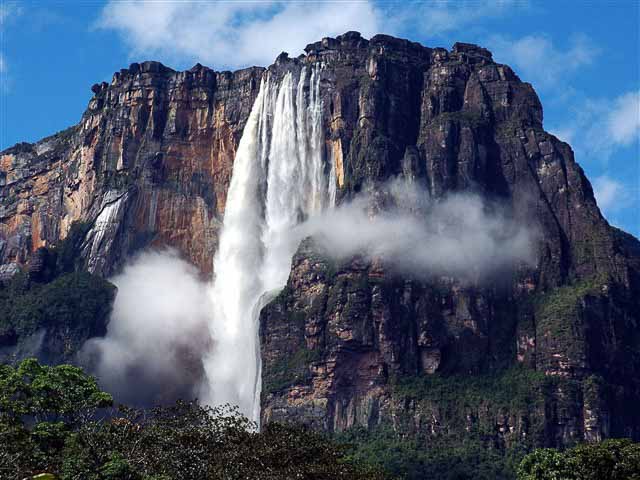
[[55, 422], [63, 435]]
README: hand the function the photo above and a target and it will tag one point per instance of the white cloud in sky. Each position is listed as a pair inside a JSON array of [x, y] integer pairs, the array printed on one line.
[[233, 34], [598, 127], [438, 17], [244, 33], [609, 193], [239, 34], [623, 121], [7, 12], [4, 13], [539, 61]]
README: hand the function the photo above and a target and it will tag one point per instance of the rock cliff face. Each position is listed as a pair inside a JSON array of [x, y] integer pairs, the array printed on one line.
[[352, 344], [148, 164]]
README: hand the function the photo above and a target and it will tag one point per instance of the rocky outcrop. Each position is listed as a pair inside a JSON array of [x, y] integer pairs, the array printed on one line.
[[148, 164], [352, 344]]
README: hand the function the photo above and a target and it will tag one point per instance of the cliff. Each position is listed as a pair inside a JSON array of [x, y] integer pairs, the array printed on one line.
[[148, 165], [351, 344], [342, 343]]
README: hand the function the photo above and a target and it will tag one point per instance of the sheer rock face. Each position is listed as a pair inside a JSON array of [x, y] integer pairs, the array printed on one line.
[[338, 339], [150, 163]]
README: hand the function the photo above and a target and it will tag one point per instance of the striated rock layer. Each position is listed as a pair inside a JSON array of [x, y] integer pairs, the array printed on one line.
[[351, 344], [148, 164]]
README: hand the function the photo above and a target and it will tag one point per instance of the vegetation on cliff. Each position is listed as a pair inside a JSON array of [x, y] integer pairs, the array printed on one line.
[[472, 414], [76, 301], [55, 296], [471, 458]]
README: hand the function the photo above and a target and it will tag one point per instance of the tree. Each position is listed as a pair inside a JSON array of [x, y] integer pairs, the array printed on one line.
[[39, 406], [614, 459], [545, 464], [188, 441], [51, 421]]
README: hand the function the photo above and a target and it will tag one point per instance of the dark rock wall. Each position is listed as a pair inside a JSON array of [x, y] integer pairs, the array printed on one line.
[[341, 341]]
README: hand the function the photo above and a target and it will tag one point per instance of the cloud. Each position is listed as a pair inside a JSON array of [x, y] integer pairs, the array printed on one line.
[[460, 236], [623, 120], [434, 19], [240, 34], [539, 61], [7, 11], [157, 333], [232, 34], [612, 195], [599, 127]]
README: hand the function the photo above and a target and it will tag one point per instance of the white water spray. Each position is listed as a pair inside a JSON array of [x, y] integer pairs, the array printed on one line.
[[279, 179]]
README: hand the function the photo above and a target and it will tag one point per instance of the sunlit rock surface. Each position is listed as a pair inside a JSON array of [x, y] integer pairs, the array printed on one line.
[[148, 164]]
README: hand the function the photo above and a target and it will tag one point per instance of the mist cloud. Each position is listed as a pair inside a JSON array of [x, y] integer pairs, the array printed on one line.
[[460, 236], [157, 333]]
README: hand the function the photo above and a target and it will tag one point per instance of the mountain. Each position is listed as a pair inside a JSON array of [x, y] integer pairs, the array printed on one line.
[[547, 354]]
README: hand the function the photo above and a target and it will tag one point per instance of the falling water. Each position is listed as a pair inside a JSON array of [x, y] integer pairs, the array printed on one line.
[[279, 179]]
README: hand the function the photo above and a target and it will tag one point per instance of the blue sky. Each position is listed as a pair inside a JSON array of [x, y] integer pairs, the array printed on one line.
[[582, 58]]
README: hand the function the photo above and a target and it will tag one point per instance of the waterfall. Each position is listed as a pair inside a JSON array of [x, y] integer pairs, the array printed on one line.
[[279, 179]]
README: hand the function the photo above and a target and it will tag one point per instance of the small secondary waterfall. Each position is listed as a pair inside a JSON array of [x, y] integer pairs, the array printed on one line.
[[281, 176]]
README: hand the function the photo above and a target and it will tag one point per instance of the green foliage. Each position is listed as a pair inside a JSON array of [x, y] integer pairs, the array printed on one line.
[[510, 387], [470, 406], [615, 459], [350, 294], [289, 371], [517, 391], [78, 300], [49, 422], [464, 117], [446, 457], [41, 391], [554, 308], [559, 318], [39, 407], [544, 464], [60, 296], [414, 458], [117, 468]]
